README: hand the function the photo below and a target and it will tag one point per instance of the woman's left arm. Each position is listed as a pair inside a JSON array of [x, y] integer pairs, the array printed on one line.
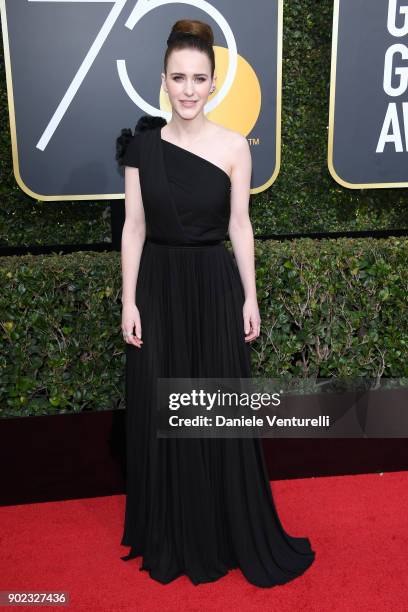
[[241, 234]]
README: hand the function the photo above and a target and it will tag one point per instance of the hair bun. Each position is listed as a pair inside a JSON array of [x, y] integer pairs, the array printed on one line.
[[187, 28], [145, 122]]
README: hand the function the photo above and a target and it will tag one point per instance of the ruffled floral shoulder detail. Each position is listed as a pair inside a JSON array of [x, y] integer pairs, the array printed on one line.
[[145, 122]]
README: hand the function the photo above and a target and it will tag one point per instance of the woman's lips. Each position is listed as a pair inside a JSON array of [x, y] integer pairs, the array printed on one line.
[[188, 102]]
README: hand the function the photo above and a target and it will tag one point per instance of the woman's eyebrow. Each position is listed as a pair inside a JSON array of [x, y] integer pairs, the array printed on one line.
[[183, 74]]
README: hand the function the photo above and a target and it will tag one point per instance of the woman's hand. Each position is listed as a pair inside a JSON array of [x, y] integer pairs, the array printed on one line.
[[252, 319], [130, 321]]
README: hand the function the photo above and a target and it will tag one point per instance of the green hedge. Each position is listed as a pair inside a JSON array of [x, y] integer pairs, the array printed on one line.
[[304, 198], [329, 308]]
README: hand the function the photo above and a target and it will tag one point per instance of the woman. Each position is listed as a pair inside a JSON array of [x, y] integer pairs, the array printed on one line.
[[200, 506]]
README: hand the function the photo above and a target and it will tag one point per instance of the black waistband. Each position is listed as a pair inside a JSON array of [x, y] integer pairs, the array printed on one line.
[[184, 244]]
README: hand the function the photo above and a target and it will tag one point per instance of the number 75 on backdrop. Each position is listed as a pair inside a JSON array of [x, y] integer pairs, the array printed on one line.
[[78, 71]]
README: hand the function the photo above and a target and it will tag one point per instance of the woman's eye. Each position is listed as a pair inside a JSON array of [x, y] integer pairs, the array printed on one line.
[[201, 79]]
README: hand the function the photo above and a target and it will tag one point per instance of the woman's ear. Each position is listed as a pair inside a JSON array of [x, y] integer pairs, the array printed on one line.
[[163, 80], [213, 84]]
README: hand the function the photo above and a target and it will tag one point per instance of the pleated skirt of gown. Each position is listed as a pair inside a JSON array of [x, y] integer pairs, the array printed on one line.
[[197, 506]]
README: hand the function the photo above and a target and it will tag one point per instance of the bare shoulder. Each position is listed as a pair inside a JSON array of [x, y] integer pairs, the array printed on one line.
[[234, 150], [230, 138]]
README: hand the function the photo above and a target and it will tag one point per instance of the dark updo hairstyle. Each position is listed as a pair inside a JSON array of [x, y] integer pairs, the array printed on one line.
[[193, 34]]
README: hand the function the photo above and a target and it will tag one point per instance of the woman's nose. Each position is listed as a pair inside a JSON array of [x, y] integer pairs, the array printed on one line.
[[189, 88]]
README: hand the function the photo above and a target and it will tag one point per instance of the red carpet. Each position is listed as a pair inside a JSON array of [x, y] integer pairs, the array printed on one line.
[[357, 525]]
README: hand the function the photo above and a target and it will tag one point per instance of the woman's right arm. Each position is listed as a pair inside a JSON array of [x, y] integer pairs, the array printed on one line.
[[133, 237]]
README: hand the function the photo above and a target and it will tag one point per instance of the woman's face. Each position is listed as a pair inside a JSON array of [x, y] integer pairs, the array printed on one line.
[[188, 81]]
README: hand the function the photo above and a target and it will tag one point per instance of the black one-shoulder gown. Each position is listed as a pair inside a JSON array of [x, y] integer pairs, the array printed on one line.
[[197, 506]]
